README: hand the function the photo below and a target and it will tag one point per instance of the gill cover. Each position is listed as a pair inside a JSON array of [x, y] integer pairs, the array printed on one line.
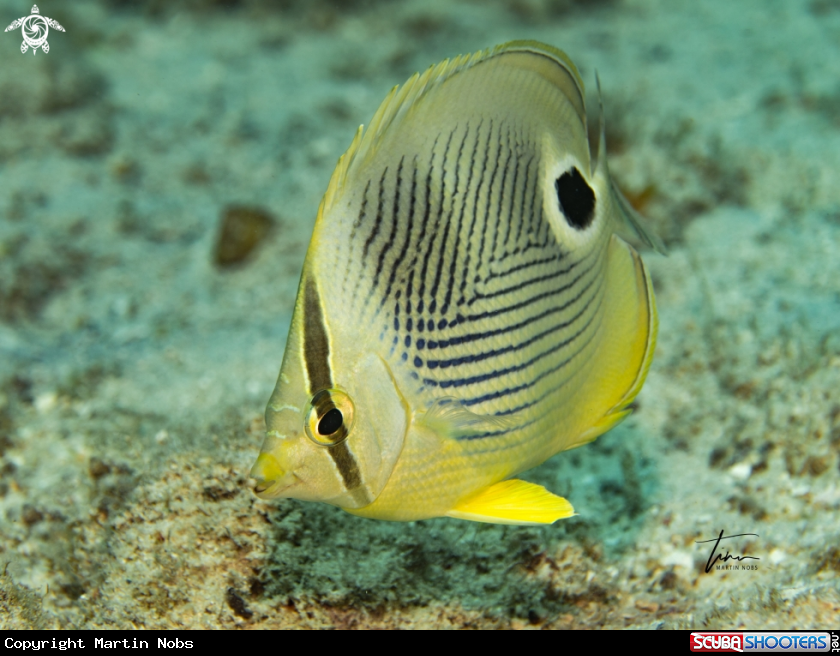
[[335, 422]]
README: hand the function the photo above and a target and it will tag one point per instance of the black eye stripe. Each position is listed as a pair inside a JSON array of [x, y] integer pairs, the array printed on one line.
[[577, 200], [316, 343]]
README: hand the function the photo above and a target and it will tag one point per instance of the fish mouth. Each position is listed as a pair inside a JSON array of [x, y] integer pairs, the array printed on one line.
[[273, 489], [262, 486], [269, 489], [271, 480]]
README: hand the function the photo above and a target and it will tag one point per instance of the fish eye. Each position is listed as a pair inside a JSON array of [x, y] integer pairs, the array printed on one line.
[[329, 417], [330, 422], [577, 200]]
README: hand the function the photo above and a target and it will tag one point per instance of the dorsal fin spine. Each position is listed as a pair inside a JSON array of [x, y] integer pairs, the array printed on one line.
[[629, 218]]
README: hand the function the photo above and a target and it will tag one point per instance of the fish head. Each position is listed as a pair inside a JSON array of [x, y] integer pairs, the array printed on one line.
[[336, 422]]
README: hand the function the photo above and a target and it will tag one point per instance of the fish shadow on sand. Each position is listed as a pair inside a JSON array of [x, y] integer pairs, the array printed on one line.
[[322, 555]]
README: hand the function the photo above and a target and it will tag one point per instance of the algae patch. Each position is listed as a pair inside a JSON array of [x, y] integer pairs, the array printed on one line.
[[22, 608], [242, 229]]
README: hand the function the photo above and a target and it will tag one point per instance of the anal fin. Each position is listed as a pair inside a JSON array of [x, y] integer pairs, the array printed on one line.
[[514, 502]]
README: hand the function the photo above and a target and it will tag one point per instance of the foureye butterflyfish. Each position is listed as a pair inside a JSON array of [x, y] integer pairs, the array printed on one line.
[[468, 305]]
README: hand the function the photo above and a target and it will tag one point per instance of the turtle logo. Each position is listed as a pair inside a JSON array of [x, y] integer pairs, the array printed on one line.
[[35, 29]]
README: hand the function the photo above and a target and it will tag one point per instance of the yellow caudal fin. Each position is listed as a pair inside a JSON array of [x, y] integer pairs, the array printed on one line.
[[513, 502], [629, 338]]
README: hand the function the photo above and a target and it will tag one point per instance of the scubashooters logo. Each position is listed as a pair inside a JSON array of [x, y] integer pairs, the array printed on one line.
[[35, 29], [749, 641]]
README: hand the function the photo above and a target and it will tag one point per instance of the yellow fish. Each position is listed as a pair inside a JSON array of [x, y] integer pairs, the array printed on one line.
[[466, 308]]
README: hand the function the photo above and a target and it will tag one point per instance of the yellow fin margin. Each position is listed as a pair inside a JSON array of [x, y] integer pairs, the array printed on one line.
[[514, 502], [620, 410], [653, 330]]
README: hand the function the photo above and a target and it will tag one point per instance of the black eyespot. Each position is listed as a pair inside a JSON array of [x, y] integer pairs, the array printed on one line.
[[330, 422], [577, 200]]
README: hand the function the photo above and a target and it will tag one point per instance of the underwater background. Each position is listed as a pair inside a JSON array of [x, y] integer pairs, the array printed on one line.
[[160, 171]]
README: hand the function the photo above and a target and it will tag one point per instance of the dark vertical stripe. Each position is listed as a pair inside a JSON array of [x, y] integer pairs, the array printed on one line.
[[495, 158], [347, 466], [316, 355], [489, 195], [459, 229], [378, 220], [530, 190], [469, 248], [421, 238], [452, 204], [499, 215], [442, 250], [521, 189], [522, 216], [547, 234], [433, 237], [409, 295], [316, 345], [356, 224], [512, 196], [362, 211], [536, 211], [395, 214], [408, 230]]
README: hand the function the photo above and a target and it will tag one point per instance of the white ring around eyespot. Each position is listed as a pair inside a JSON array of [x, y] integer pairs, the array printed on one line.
[[553, 166]]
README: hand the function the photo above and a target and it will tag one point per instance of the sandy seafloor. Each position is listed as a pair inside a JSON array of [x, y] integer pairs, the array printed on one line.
[[134, 371]]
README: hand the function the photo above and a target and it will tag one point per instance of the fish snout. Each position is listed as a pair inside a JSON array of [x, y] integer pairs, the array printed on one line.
[[268, 474]]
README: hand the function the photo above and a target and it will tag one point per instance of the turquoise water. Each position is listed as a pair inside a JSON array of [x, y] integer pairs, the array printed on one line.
[[135, 364]]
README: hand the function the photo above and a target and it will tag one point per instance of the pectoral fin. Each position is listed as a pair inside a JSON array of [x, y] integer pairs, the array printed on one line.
[[513, 502], [449, 417]]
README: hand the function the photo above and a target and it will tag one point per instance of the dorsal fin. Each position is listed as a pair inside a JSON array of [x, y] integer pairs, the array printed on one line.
[[630, 221], [399, 102]]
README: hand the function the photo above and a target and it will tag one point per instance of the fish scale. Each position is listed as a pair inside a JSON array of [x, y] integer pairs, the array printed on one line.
[[478, 297], [468, 303]]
